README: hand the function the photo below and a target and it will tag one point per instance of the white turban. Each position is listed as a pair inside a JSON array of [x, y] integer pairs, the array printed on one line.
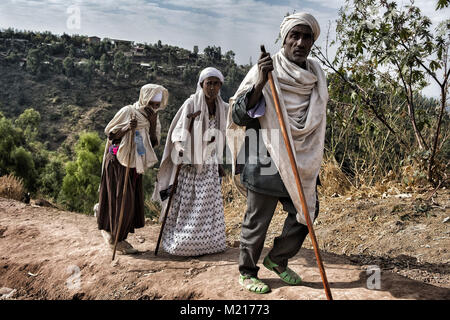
[[299, 18], [209, 72], [158, 97]]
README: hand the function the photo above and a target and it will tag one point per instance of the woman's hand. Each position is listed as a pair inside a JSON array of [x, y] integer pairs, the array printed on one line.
[[133, 124], [179, 148], [151, 115]]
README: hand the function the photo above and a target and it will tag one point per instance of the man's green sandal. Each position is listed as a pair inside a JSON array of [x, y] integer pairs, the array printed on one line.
[[253, 284], [289, 276]]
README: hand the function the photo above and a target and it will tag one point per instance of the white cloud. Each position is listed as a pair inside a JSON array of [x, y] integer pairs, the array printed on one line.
[[234, 25], [238, 25]]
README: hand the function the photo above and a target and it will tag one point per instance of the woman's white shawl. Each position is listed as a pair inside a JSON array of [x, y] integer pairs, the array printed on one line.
[[199, 138], [122, 119], [303, 98]]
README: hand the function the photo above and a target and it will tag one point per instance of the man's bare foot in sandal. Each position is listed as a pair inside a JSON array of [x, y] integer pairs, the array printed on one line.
[[286, 274], [253, 284]]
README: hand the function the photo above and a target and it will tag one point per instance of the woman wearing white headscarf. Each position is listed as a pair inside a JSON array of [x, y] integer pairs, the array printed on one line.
[[122, 148], [195, 224]]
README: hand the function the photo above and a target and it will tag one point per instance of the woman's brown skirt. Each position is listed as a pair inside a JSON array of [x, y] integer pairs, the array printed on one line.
[[111, 190]]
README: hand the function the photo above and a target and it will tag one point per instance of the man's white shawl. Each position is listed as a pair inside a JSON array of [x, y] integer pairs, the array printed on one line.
[[196, 143], [121, 121], [303, 98]]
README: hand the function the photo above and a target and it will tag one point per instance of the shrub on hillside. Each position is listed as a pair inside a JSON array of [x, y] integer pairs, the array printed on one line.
[[79, 190], [11, 187]]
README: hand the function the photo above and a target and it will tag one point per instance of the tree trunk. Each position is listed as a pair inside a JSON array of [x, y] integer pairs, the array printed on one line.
[[412, 117], [416, 131], [438, 129]]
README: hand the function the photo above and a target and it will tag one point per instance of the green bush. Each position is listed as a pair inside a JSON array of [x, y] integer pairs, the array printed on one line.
[[10, 139], [79, 190], [51, 178], [23, 167], [29, 122]]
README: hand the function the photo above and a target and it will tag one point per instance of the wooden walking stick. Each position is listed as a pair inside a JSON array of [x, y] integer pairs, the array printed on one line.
[[191, 116], [298, 183], [124, 193]]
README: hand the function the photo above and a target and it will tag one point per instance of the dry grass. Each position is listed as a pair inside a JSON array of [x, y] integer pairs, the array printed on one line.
[[336, 196], [154, 210], [234, 202], [336, 183], [234, 208], [11, 187], [333, 180]]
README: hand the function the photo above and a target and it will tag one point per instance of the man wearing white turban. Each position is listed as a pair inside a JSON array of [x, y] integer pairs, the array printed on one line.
[[266, 175], [122, 149], [195, 224]]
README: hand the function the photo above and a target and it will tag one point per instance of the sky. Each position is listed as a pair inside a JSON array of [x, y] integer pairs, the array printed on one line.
[[237, 25]]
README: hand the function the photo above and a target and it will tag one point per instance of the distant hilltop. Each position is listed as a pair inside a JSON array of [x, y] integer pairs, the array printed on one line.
[[78, 82]]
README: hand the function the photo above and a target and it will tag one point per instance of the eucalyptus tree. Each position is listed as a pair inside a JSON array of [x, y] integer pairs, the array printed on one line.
[[385, 50]]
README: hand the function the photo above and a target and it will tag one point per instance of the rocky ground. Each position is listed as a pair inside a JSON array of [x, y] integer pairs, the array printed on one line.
[[46, 253]]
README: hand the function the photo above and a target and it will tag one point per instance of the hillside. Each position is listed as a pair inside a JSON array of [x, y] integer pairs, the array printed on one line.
[[55, 90], [78, 83]]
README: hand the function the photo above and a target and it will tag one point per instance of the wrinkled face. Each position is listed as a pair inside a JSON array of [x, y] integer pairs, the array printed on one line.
[[152, 105], [211, 87], [298, 44]]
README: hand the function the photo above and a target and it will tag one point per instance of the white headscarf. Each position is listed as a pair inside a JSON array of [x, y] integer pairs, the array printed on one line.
[[299, 18], [178, 134], [209, 72], [152, 92], [158, 97]]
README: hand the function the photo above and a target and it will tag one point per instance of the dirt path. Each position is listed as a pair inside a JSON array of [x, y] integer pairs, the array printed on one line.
[[51, 254]]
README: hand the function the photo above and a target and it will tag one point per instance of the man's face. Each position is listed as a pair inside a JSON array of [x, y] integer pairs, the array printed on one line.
[[298, 44]]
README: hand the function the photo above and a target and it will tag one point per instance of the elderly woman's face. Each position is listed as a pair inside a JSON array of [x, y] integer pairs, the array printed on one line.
[[154, 105], [211, 87], [298, 44]]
